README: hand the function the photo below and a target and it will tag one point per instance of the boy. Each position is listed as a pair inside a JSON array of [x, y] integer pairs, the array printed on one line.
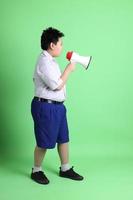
[[47, 108]]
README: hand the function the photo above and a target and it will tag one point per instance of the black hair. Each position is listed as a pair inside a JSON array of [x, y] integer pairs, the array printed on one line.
[[50, 35]]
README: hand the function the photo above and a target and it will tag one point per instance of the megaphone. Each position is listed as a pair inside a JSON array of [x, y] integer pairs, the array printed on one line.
[[75, 57]]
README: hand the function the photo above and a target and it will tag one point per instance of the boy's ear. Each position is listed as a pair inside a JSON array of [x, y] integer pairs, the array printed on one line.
[[52, 45]]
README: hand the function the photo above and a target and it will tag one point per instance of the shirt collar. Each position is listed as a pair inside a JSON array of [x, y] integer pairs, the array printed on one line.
[[48, 55]]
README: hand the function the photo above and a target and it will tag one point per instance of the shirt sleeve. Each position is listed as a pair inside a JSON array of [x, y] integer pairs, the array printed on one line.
[[47, 72]]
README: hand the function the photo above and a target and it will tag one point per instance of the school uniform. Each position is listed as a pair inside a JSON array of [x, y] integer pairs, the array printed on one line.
[[47, 106]]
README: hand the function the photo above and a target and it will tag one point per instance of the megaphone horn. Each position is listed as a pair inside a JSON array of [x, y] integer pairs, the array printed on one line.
[[75, 57]]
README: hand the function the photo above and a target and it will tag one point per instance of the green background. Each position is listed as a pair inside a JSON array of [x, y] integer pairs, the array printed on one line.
[[99, 100]]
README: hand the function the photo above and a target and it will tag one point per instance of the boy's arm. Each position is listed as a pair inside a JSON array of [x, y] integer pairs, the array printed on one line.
[[69, 68]]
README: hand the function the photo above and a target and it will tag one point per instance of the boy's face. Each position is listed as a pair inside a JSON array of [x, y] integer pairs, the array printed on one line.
[[56, 49]]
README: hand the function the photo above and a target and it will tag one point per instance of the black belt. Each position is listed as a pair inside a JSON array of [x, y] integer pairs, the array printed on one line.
[[48, 100]]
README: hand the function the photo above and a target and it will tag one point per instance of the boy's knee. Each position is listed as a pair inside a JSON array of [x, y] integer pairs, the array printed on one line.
[[40, 148]]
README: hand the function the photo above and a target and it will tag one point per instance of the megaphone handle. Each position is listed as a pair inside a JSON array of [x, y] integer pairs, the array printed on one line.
[[72, 61]]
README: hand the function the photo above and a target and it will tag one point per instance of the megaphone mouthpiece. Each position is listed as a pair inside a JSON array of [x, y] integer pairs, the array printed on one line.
[[69, 55]]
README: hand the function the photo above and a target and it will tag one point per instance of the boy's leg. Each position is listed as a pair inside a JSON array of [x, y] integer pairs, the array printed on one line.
[[37, 174], [39, 154], [65, 169], [63, 153], [63, 150]]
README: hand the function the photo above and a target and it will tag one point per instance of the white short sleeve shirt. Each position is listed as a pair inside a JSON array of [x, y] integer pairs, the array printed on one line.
[[47, 79]]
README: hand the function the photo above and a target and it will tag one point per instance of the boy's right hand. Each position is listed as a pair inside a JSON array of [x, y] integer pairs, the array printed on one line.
[[71, 66], [64, 76]]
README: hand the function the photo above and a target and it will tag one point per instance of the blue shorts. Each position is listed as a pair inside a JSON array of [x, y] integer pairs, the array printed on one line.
[[50, 123]]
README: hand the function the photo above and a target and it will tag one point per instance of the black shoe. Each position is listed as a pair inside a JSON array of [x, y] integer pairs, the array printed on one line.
[[39, 177], [71, 174]]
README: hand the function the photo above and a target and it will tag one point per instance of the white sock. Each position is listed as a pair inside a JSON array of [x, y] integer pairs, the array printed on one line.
[[37, 169], [65, 167]]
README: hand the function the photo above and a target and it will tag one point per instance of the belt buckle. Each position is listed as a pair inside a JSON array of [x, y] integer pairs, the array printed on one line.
[[49, 101]]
